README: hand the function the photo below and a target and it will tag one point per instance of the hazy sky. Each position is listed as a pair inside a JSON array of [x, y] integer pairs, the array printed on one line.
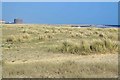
[[62, 12]]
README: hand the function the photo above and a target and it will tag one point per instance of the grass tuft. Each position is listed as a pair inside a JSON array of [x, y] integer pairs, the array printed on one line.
[[97, 46], [11, 38]]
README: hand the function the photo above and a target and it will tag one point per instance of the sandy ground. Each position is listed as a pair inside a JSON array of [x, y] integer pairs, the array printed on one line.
[[77, 58], [106, 64]]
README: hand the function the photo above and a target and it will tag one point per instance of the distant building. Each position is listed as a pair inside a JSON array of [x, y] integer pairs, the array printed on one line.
[[18, 21], [9, 23], [2, 22]]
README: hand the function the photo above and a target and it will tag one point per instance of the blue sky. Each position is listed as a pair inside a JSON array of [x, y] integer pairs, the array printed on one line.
[[62, 12], [0, 10], [60, 0]]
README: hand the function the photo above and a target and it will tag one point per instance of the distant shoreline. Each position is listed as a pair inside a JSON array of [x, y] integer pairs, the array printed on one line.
[[73, 25]]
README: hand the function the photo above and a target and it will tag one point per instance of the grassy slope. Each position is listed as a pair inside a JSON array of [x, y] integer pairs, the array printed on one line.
[[49, 51]]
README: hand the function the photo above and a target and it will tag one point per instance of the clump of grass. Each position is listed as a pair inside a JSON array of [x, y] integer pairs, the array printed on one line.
[[45, 37], [86, 47], [68, 47], [101, 35], [113, 30], [99, 29], [32, 32], [65, 46], [112, 37], [73, 35], [11, 38], [81, 32], [89, 29], [41, 37], [24, 30], [54, 31], [96, 32], [49, 36], [74, 48], [97, 46], [61, 31], [25, 36], [111, 45], [47, 31], [29, 31], [18, 38], [78, 35]]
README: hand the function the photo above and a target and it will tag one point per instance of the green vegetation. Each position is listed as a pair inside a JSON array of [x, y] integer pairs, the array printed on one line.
[[51, 51]]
